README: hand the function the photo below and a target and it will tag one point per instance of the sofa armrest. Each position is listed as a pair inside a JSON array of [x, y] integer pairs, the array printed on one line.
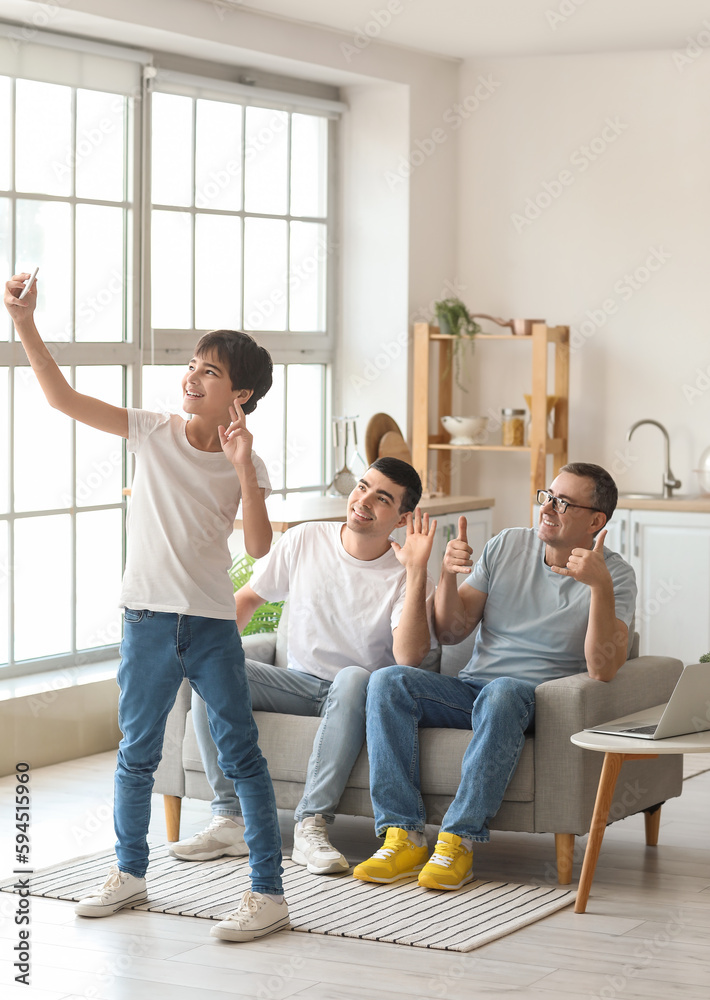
[[170, 773], [570, 704], [260, 647]]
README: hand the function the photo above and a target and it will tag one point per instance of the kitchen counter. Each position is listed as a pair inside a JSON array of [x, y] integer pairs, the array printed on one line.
[[699, 503], [295, 509]]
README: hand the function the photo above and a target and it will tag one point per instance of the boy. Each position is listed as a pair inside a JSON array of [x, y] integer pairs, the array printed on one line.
[[177, 598]]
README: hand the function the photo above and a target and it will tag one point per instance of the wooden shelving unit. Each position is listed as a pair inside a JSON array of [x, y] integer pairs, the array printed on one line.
[[425, 446]]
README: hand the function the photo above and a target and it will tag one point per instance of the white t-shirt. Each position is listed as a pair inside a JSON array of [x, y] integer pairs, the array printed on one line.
[[341, 609], [181, 513], [535, 621]]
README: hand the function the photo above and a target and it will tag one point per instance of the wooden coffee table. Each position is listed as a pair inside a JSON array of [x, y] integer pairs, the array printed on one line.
[[616, 750]]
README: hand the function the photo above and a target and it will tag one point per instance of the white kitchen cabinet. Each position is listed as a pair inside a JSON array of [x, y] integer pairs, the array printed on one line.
[[670, 554], [479, 530]]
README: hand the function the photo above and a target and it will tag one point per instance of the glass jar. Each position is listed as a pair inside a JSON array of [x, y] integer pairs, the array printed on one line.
[[513, 422]]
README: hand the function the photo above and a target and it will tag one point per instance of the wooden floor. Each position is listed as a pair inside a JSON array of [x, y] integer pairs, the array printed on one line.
[[645, 933]]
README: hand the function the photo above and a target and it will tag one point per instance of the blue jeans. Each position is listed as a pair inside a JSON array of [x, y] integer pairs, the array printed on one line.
[[159, 649], [339, 739], [402, 699]]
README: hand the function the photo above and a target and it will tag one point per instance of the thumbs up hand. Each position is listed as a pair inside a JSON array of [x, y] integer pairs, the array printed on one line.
[[457, 558], [587, 565]]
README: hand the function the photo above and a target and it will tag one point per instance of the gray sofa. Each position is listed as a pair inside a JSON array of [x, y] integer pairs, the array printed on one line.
[[553, 788]]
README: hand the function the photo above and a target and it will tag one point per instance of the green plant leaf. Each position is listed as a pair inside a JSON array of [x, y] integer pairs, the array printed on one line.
[[241, 570], [266, 617]]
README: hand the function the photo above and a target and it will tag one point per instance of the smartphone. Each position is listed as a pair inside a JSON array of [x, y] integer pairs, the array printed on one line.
[[29, 283]]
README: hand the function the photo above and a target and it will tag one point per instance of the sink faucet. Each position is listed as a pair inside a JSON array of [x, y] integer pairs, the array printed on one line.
[[670, 482]]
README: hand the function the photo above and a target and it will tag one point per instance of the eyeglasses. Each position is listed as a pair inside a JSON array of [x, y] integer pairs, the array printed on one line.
[[559, 505]]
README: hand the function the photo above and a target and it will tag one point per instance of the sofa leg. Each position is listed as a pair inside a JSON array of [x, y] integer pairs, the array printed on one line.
[[652, 819], [173, 805], [564, 849]]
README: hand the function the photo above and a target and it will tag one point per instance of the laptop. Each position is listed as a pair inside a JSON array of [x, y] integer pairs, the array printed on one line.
[[687, 711]]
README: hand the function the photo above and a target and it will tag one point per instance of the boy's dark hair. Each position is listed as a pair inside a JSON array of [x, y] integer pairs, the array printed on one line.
[[605, 494], [250, 366], [403, 474]]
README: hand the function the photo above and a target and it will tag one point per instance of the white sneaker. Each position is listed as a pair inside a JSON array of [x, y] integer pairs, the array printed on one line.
[[120, 889], [257, 916], [223, 836], [312, 848]]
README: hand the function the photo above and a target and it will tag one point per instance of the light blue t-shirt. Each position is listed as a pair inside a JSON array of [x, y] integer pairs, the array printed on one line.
[[535, 621]]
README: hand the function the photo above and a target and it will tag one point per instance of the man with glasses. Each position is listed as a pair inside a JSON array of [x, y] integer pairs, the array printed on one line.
[[551, 601]]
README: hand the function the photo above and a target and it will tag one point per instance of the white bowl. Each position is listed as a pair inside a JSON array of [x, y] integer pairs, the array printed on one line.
[[466, 430]]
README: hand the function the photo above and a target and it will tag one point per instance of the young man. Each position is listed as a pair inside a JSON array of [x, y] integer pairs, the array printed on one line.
[[357, 602], [550, 602]]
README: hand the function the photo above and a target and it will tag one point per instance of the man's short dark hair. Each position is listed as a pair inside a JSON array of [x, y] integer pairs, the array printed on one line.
[[605, 494], [250, 365], [403, 474]]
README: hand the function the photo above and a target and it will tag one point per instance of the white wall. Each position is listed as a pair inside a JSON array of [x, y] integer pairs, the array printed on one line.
[[398, 234], [374, 260], [637, 351]]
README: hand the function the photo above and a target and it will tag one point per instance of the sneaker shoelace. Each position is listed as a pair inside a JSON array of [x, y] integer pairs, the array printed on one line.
[[444, 855], [318, 837], [114, 881], [248, 906], [385, 853]]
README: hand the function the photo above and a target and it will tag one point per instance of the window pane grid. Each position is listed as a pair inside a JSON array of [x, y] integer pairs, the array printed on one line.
[[266, 152], [43, 542], [102, 144]]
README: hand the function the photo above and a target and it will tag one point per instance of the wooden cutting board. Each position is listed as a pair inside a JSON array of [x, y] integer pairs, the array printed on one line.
[[393, 445], [377, 425]]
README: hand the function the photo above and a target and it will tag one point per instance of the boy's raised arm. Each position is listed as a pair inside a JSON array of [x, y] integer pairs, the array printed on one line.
[[236, 444], [60, 395]]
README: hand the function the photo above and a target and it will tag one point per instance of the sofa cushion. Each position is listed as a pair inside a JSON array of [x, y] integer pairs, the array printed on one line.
[[287, 740]]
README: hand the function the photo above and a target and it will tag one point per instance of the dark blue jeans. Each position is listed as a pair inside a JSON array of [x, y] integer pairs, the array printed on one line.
[[159, 649]]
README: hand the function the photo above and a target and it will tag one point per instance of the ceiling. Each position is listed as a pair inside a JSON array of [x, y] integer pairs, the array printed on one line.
[[466, 28], [457, 29]]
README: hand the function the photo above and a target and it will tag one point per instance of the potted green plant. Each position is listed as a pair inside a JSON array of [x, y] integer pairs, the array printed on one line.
[[456, 321]]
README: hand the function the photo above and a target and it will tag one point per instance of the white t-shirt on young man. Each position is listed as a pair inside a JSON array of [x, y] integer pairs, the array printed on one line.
[[181, 513], [341, 609]]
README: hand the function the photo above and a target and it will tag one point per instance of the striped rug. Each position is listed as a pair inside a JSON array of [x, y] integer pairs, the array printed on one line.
[[337, 905]]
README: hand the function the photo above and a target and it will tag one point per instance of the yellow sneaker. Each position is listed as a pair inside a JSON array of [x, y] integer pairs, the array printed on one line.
[[398, 858], [450, 866]]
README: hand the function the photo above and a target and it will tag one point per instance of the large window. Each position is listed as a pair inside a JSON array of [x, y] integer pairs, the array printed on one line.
[[208, 212]]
